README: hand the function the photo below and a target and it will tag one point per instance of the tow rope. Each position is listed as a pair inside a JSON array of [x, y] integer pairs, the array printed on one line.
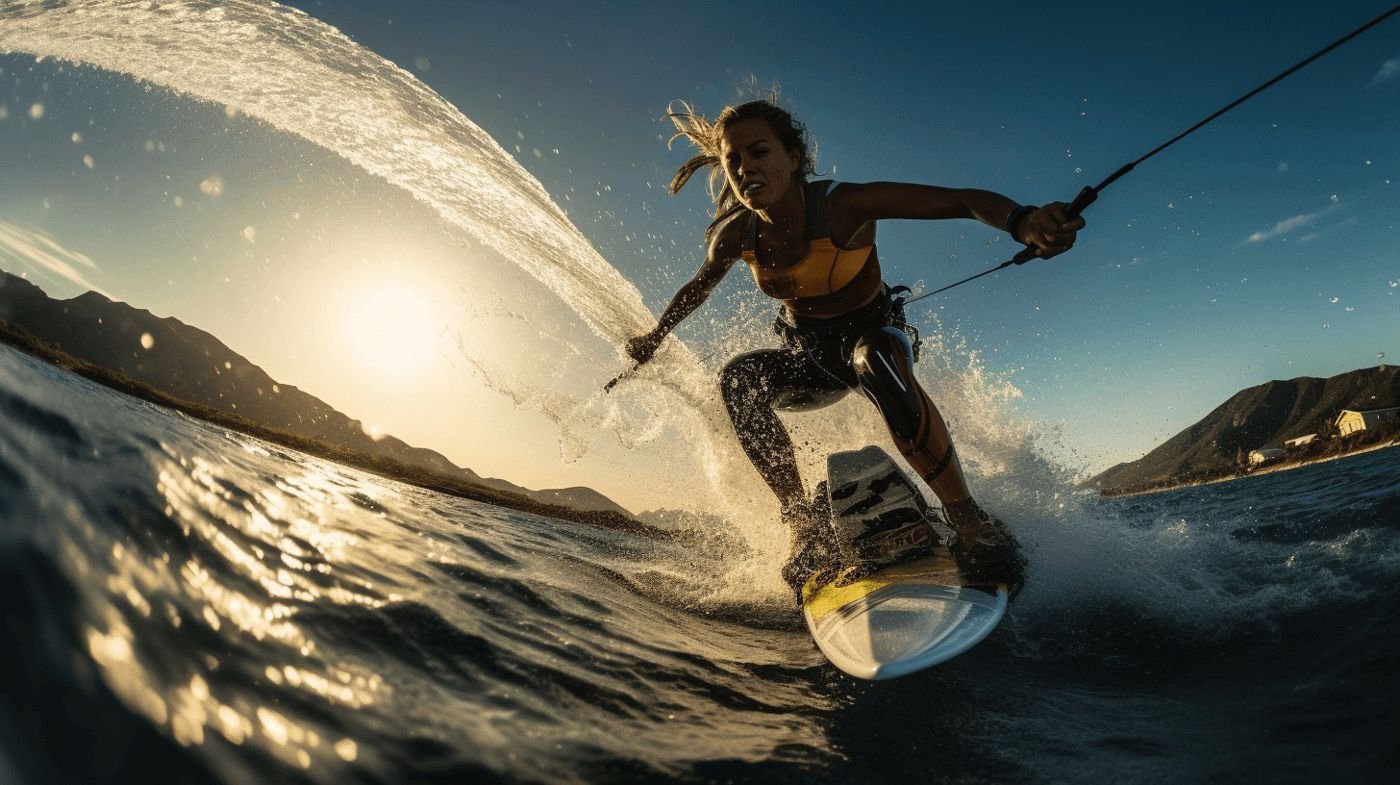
[[1087, 196]]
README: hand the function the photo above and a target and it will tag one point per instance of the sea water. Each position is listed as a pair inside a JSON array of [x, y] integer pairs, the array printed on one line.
[[187, 604]]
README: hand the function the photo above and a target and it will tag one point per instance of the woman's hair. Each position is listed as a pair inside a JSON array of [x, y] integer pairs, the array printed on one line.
[[707, 136]]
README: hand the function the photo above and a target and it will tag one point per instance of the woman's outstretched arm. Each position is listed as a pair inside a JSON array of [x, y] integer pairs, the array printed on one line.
[[1046, 229], [722, 254]]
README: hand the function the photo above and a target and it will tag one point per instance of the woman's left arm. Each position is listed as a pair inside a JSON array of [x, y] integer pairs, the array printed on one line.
[[1045, 229]]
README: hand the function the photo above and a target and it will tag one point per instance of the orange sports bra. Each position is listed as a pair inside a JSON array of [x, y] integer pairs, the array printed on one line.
[[822, 278]]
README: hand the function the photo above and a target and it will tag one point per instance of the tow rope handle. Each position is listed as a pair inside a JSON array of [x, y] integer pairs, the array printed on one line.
[[1085, 198]]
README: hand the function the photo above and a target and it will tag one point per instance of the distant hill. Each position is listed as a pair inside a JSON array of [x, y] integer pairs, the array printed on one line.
[[191, 365], [1257, 417]]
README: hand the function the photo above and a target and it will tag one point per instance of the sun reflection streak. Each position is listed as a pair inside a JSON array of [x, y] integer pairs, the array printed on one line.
[[233, 527], [267, 545], [204, 555], [114, 654]]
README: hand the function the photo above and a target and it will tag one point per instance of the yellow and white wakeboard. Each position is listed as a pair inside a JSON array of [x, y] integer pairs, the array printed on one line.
[[891, 621]]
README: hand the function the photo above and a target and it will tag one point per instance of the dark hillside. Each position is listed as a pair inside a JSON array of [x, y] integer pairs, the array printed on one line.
[[1254, 418], [191, 365]]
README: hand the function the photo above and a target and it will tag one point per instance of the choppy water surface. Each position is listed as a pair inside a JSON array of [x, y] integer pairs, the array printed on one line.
[[188, 604]]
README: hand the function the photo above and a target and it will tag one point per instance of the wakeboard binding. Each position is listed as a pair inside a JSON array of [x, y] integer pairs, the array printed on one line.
[[878, 516]]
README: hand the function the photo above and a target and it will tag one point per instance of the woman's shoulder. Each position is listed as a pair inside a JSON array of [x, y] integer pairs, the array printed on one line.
[[849, 216]]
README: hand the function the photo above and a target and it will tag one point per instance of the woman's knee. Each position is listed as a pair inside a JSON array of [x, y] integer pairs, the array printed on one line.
[[884, 368], [744, 382]]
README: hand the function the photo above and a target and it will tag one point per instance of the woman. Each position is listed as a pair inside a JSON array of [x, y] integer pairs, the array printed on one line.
[[812, 246]]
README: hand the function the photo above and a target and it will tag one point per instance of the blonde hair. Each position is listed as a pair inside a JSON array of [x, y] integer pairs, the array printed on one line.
[[706, 136]]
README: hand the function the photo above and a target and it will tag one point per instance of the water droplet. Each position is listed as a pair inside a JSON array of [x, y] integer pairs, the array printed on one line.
[[1335, 300], [36, 112], [147, 341], [347, 749]]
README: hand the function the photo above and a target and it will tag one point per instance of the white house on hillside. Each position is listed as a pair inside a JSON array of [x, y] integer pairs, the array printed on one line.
[[1350, 421], [1293, 444]]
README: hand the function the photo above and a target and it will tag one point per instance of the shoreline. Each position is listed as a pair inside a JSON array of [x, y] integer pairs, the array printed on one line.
[[390, 468], [1269, 469]]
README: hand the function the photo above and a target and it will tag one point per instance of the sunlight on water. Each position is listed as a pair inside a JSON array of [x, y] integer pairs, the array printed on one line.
[[267, 542]]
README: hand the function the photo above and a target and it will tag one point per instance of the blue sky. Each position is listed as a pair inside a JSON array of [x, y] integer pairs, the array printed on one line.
[[1262, 247]]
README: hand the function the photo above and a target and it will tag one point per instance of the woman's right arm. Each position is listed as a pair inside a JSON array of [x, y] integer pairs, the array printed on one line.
[[719, 259]]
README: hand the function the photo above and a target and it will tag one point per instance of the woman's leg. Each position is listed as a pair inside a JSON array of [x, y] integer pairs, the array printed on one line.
[[884, 365], [752, 384]]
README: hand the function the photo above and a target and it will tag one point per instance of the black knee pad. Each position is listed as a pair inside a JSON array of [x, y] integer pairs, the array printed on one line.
[[884, 365]]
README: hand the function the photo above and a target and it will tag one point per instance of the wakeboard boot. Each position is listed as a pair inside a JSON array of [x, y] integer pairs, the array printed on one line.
[[985, 550]]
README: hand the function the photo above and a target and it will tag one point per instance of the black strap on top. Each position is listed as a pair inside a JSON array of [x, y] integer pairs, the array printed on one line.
[[818, 225]]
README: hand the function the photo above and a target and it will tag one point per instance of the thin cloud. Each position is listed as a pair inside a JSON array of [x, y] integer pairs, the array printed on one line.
[[1344, 225], [35, 251], [1284, 227], [1290, 225], [1389, 70]]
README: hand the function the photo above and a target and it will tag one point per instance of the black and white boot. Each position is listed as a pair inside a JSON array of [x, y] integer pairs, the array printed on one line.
[[985, 549]]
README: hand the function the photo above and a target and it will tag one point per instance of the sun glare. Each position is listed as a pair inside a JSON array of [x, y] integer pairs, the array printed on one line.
[[394, 329]]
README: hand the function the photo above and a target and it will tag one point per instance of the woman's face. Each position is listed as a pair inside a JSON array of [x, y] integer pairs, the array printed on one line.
[[756, 164]]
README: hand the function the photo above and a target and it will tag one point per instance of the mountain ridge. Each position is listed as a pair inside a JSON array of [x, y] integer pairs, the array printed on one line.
[[1263, 416], [191, 364]]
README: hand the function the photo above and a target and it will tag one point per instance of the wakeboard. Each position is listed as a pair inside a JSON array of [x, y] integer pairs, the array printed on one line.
[[895, 602]]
